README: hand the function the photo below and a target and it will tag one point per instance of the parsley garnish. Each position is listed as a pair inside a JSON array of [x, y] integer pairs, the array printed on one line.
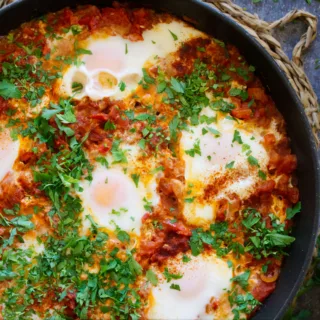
[[242, 303], [291, 212], [152, 277], [242, 279], [237, 137], [253, 161], [135, 177], [122, 86], [175, 287], [185, 258], [119, 156], [169, 276], [9, 90], [234, 92], [230, 165], [195, 150], [174, 36], [262, 241]]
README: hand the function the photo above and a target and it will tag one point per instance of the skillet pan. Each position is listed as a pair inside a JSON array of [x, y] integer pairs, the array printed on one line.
[[216, 24]]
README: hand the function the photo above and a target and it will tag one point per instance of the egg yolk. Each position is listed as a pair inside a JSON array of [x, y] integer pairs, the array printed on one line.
[[105, 55], [109, 194], [221, 149], [107, 80]]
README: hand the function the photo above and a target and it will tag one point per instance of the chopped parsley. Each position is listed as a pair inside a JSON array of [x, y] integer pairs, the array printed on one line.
[[242, 303], [237, 137], [135, 177], [185, 258], [109, 125], [119, 156], [262, 175], [76, 87], [175, 287], [174, 36], [291, 212], [169, 276], [234, 92], [195, 150], [152, 277], [9, 90], [242, 279], [230, 165], [218, 237], [253, 161], [261, 241], [122, 86]]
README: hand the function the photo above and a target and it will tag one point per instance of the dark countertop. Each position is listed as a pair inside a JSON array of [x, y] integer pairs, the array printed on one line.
[[289, 36]]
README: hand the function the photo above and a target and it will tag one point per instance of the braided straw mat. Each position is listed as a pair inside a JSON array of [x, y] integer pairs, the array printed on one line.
[[262, 32]]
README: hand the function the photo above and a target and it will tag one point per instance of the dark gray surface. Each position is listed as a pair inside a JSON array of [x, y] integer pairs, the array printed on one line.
[[288, 37]]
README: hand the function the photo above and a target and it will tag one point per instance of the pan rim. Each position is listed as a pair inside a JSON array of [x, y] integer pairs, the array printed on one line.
[[315, 157]]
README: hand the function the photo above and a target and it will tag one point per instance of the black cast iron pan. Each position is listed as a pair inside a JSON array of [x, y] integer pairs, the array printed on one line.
[[215, 23]]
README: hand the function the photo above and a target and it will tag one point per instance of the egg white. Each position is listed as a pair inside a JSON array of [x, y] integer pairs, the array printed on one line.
[[9, 151], [113, 199], [203, 277], [122, 60], [217, 152]]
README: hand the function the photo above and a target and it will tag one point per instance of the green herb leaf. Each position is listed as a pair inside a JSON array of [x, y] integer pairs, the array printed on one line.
[[152, 277], [173, 126], [169, 276], [174, 36], [177, 86], [185, 258], [161, 86], [291, 212], [109, 125], [253, 161], [230, 165], [122, 86], [135, 177], [189, 200], [175, 287], [156, 170], [222, 105], [280, 240], [242, 279], [237, 137], [214, 131], [234, 92], [262, 175], [195, 150], [103, 161], [9, 90], [76, 87], [146, 77]]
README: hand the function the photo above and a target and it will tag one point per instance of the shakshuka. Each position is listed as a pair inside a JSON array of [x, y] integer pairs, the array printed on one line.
[[145, 171]]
